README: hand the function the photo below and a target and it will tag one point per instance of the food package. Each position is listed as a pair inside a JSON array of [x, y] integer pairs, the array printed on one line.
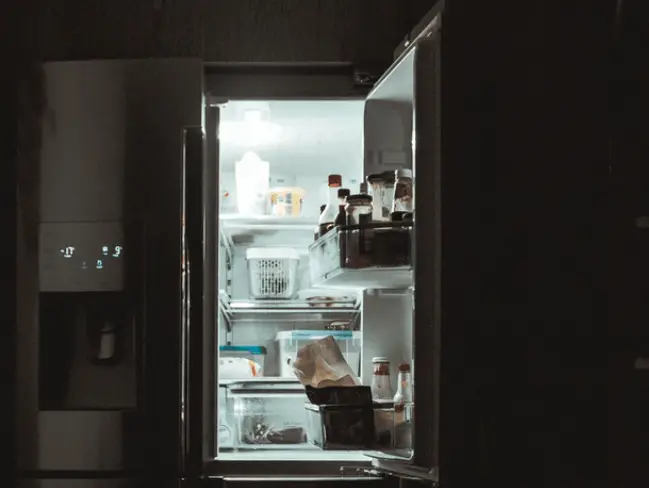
[[238, 368], [321, 364]]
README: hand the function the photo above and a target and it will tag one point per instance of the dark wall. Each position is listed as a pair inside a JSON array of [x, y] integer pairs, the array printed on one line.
[[362, 31]]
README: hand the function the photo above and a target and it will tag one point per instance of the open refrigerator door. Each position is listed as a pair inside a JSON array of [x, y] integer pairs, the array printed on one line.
[[317, 316]]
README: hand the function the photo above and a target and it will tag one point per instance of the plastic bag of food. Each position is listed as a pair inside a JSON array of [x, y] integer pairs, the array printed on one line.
[[321, 364]]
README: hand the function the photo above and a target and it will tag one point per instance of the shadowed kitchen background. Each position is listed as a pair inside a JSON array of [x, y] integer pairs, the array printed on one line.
[[505, 73]]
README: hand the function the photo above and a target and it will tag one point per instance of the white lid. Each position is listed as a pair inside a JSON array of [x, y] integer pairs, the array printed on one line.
[[403, 173], [380, 359], [272, 253]]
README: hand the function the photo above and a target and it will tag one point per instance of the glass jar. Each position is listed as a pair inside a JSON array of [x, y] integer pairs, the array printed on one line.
[[381, 384], [403, 191], [359, 209], [381, 189]]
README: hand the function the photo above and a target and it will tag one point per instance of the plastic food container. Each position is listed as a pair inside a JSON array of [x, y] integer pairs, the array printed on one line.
[[268, 415], [286, 201], [257, 354], [349, 427], [272, 272], [289, 341]]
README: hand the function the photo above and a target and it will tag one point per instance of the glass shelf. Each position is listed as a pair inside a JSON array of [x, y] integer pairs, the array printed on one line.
[[298, 311], [266, 230], [266, 222]]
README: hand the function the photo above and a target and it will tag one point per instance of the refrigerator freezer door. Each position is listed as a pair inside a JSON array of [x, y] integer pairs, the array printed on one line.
[[199, 319], [402, 129], [98, 116]]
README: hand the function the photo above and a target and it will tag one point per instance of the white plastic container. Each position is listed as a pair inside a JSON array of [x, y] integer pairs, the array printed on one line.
[[251, 176], [272, 272], [256, 354], [290, 341]]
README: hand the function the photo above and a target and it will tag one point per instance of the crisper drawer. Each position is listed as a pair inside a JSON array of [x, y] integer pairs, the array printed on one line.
[[360, 257], [267, 417]]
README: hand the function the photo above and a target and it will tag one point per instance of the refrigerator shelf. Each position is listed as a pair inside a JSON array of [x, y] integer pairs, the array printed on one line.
[[266, 222], [299, 311], [264, 230], [374, 256]]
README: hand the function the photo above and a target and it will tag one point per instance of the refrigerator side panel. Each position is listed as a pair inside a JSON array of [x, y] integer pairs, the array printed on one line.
[[427, 252]]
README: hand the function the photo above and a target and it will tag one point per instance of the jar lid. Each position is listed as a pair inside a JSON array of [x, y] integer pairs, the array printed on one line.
[[335, 180], [380, 359], [360, 198], [388, 176], [403, 173], [404, 367]]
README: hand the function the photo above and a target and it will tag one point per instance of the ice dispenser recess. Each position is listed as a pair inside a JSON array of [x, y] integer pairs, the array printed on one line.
[[86, 324]]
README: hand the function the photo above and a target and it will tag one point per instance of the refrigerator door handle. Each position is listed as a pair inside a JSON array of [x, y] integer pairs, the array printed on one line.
[[192, 328]]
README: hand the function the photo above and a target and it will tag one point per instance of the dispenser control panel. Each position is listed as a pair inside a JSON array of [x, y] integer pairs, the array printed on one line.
[[81, 256]]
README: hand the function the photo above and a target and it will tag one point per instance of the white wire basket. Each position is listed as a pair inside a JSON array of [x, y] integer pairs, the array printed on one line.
[[272, 272]]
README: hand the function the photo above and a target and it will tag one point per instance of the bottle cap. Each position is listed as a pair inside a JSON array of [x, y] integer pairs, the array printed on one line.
[[360, 197], [335, 181], [380, 359], [404, 367], [403, 173], [343, 192]]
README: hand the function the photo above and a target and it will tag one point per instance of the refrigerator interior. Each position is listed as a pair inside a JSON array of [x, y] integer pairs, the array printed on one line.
[[301, 142]]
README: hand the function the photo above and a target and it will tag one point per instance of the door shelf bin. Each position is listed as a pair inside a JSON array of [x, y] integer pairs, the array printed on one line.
[[350, 427], [369, 256]]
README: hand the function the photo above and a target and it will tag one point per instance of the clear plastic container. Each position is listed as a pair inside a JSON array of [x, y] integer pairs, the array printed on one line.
[[289, 341], [268, 415]]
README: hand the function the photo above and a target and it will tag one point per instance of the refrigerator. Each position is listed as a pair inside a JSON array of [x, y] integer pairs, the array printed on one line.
[[135, 271]]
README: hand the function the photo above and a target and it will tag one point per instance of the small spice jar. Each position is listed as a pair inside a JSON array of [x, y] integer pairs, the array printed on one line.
[[381, 384], [359, 209], [403, 191]]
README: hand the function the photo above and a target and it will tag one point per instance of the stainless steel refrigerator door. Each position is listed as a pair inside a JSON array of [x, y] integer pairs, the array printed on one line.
[[406, 100], [137, 110], [200, 238], [165, 97]]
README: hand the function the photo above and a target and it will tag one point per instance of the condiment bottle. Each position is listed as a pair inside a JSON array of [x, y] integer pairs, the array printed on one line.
[[328, 215], [403, 396], [402, 191], [381, 384], [316, 232], [341, 218], [403, 408]]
